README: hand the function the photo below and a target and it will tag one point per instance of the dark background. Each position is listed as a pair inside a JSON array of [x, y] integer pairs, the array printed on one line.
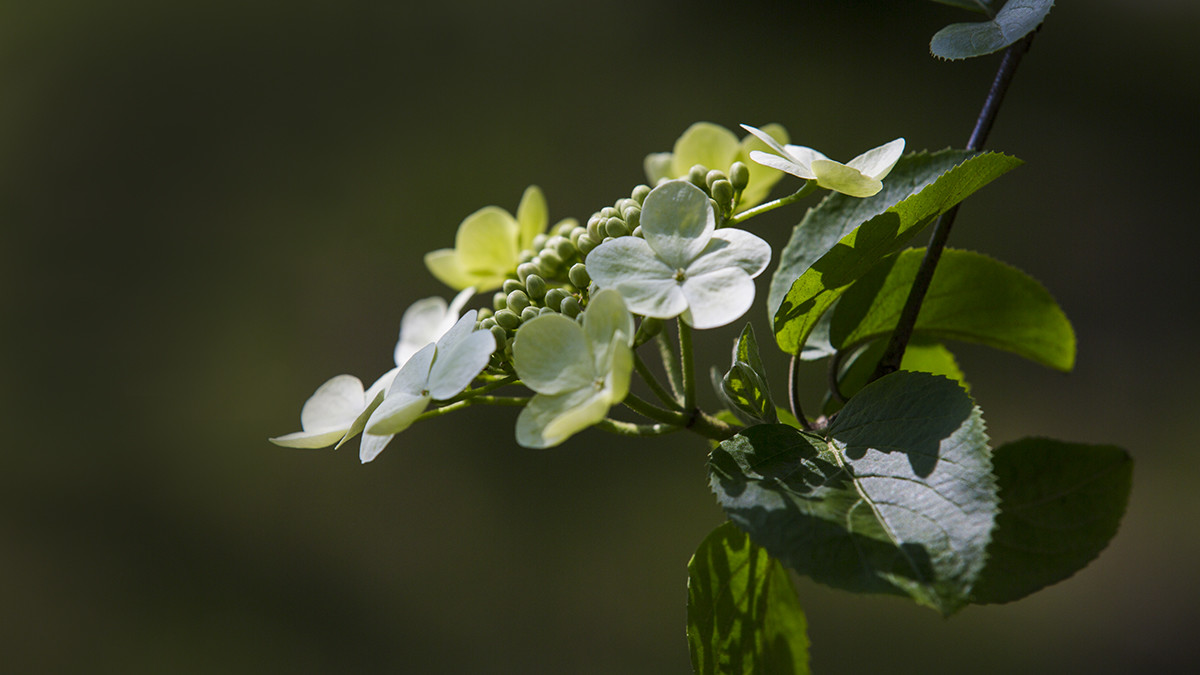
[[208, 207]]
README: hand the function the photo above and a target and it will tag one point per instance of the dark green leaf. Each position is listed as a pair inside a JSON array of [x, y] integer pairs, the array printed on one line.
[[745, 385], [922, 355], [743, 615], [925, 191], [898, 497], [1017, 19], [972, 298], [1060, 504]]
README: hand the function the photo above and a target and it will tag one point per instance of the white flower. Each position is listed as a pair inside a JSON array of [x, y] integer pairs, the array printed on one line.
[[437, 371], [860, 177], [578, 372], [425, 321], [684, 266]]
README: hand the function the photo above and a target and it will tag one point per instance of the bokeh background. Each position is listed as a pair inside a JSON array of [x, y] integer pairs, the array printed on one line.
[[208, 207]]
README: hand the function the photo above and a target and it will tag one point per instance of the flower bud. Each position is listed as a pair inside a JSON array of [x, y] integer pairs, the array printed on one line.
[[549, 263], [739, 176], [529, 313], [633, 217], [565, 249], [525, 269], [639, 193], [722, 191], [539, 241], [517, 300], [546, 310], [484, 313], [554, 298], [507, 319], [576, 234], [587, 243], [647, 330], [713, 176], [637, 232], [499, 300], [500, 335], [594, 225], [615, 227], [579, 276], [609, 212], [570, 307], [697, 176], [625, 203], [511, 285], [487, 323], [535, 286], [564, 228]]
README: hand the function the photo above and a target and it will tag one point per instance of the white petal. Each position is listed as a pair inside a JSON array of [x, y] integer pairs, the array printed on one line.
[[460, 330], [396, 413], [334, 405], [373, 401], [551, 355], [733, 248], [549, 420], [456, 306], [841, 178], [457, 365], [619, 365], [677, 221], [878, 162], [372, 445], [657, 166], [766, 138], [421, 324], [625, 258], [718, 298], [413, 376], [803, 154], [309, 439], [781, 163], [606, 317]]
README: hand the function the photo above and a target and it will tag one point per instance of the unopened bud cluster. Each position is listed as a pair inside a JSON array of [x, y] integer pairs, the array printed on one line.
[[723, 189]]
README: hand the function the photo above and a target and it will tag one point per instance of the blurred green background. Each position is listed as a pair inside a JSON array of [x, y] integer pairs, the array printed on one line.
[[208, 207]]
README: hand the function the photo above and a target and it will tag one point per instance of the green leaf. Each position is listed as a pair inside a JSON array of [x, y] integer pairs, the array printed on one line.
[[898, 497], [1017, 19], [742, 615], [981, 6], [972, 298], [922, 355], [1060, 504], [745, 385], [851, 238]]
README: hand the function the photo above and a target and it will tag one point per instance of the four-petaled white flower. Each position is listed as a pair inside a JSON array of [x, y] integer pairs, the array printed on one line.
[[684, 266], [488, 244], [860, 177], [339, 409], [578, 371], [437, 371]]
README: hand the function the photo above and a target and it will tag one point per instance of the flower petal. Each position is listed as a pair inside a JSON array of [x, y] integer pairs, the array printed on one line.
[[309, 439], [836, 176], [878, 162], [455, 367], [762, 177], [413, 376], [551, 355], [446, 267], [731, 247], [677, 221], [532, 216], [374, 397], [397, 412], [782, 164], [657, 166], [769, 140], [487, 245], [548, 420], [711, 145], [606, 317], [717, 298], [619, 366], [372, 445], [334, 405], [421, 324]]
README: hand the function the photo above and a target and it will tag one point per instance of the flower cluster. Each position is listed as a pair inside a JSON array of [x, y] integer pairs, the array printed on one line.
[[571, 303]]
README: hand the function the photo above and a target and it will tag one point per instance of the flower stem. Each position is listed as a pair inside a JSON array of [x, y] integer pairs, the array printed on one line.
[[686, 365], [647, 409], [808, 188], [670, 365], [655, 386], [482, 389], [477, 400], [630, 429], [894, 352]]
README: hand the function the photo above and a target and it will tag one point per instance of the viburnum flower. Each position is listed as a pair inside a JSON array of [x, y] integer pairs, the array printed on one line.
[[860, 177], [436, 372], [339, 409], [684, 266], [578, 371], [488, 244], [716, 147]]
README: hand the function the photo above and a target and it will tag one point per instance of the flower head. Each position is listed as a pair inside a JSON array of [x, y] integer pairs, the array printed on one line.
[[488, 245], [425, 321], [578, 371], [684, 266], [437, 371], [860, 177], [716, 147]]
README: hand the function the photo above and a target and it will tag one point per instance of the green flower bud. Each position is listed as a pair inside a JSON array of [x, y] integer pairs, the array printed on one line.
[[511, 285], [697, 176], [535, 286], [554, 298], [526, 256], [615, 227], [586, 244], [507, 319], [540, 241], [500, 335], [499, 300], [739, 176], [637, 232], [639, 193], [525, 269], [576, 234], [487, 323], [595, 223], [549, 263], [633, 217], [579, 276], [625, 203], [564, 228], [570, 307], [647, 330], [517, 300], [713, 176], [484, 313], [529, 313], [508, 347], [609, 212], [722, 191], [546, 310]]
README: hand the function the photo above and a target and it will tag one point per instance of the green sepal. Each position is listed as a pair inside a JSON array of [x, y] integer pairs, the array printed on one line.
[[840, 240], [896, 497], [971, 298], [1017, 19], [743, 615], [1060, 505]]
